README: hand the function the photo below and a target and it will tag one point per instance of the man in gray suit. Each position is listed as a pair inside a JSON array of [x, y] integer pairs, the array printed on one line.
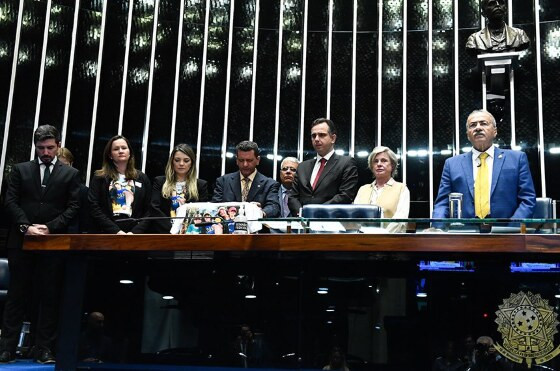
[[288, 169]]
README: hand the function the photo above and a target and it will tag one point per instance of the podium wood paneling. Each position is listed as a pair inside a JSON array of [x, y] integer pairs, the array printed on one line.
[[455, 243]]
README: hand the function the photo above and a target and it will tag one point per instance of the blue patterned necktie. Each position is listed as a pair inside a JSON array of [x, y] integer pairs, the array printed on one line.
[[285, 209]]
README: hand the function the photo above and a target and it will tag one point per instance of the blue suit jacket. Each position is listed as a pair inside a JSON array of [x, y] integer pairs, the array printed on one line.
[[264, 190], [512, 192]]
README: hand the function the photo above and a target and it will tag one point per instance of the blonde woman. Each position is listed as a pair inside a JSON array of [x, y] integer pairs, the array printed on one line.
[[177, 187], [392, 196]]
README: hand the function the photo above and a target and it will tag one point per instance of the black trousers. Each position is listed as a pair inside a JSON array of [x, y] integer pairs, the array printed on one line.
[[38, 275]]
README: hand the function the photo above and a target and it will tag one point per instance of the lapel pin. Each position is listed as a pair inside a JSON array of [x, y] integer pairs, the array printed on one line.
[[500, 156]]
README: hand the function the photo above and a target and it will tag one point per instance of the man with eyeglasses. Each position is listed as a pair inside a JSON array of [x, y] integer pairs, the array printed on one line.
[[328, 178], [288, 170], [495, 182]]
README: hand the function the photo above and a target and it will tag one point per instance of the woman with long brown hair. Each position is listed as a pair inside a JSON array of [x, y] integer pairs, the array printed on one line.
[[178, 186], [119, 191]]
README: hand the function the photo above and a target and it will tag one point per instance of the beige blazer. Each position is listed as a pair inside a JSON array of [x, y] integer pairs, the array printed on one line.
[[388, 200]]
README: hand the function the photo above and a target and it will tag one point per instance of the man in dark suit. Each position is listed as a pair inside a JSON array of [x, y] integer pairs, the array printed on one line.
[[328, 178], [42, 198], [495, 183], [288, 169], [247, 184]]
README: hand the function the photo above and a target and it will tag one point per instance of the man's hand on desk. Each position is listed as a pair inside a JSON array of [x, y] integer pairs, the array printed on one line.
[[37, 230], [260, 207], [432, 230]]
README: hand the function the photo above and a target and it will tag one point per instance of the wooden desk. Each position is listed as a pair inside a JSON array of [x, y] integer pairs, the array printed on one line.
[[444, 246], [418, 243]]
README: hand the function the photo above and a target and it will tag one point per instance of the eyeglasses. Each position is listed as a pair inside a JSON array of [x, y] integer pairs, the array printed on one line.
[[286, 168]]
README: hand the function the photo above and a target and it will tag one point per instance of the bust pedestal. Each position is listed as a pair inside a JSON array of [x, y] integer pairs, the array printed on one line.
[[497, 81]]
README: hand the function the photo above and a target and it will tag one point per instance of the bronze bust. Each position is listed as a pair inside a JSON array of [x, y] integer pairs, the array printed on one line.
[[497, 36]]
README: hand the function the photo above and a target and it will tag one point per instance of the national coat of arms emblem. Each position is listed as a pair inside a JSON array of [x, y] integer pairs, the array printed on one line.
[[527, 324]]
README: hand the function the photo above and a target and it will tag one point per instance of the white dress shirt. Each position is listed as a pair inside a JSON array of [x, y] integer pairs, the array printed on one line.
[[318, 164], [42, 168]]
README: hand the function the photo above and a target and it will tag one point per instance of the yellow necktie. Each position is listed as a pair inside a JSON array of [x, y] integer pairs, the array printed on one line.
[[482, 189]]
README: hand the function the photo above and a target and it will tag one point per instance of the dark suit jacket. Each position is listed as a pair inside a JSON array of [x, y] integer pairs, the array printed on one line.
[[161, 207], [512, 193], [27, 202], [81, 222], [102, 210], [338, 183], [264, 190]]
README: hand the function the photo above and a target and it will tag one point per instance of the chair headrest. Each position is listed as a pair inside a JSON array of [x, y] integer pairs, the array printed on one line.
[[543, 208], [341, 211], [4, 274]]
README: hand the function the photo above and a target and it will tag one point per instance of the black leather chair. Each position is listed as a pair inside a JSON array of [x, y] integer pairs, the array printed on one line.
[[543, 209], [4, 279], [341, 211]]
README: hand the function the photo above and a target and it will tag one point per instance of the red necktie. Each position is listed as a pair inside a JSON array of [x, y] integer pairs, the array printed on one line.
[[323, 161]]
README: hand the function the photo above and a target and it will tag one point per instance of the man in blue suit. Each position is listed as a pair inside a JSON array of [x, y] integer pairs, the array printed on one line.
[[510, 186], [247, 184]]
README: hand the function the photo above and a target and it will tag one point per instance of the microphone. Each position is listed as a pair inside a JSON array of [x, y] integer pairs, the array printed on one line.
[[479, 164], [138, 220]]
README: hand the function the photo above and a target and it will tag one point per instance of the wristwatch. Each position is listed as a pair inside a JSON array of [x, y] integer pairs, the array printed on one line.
[[23, 228]]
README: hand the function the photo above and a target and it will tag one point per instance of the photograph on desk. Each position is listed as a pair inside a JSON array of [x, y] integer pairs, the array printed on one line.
[[215, 218]]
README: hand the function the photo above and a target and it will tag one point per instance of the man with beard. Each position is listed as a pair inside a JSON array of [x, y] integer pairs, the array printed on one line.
[[495, 182], [42, 198]]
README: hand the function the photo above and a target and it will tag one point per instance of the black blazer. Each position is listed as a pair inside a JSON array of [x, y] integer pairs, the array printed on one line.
[[102, 211], [161, 207], [264, 190], [81, 222], [338, 183], [27, 202]]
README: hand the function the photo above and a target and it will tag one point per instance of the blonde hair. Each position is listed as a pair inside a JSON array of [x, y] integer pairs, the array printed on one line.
[[392, 157], [171, 178], [65, 153]]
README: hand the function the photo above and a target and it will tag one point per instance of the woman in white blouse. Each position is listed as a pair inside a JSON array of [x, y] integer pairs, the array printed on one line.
[[392, 196]]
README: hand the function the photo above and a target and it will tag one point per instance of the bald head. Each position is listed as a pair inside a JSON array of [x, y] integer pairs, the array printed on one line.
[[485, 340], [96, 320]]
